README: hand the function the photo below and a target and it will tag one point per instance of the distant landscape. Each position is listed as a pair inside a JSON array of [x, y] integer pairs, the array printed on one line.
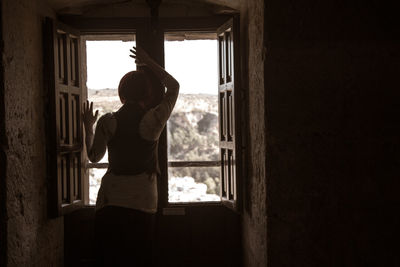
[[192, 136]]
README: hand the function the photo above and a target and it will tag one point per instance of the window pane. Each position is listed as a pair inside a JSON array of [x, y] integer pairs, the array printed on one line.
[[193, 129], [193, 184], [107, 61], [193, 126]]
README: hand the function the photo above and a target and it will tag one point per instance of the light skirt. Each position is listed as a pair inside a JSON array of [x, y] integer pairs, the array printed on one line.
[[137, 192]]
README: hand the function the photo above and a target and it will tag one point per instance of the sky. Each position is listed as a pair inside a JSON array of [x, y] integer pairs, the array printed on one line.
[[192, 62]]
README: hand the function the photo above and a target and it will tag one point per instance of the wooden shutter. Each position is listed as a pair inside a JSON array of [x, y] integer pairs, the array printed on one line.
[[64, 88], [228, 103]]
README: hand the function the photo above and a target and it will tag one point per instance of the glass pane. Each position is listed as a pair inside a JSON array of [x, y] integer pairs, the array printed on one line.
[[193, 184], [193, 126], [107, 62]]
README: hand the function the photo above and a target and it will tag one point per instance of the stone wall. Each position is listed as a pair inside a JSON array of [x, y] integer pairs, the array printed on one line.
[[254, 220], [33, 238], [323, 133], [333, 127], [3, 164]]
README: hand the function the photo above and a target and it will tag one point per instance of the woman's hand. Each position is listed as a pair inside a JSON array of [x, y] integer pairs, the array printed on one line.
[[142, 58], [88, 118], [140, 55]]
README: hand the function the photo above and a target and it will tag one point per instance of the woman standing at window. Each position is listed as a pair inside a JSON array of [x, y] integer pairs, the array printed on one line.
[[127, 199]]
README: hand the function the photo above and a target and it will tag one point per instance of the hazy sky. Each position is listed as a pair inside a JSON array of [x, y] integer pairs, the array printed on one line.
[[192, 63], [107, 62]]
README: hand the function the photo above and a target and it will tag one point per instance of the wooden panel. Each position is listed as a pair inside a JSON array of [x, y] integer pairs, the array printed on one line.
[[64, 179], [63, 118], [75, 173], [64, 122], [76, 118], [227, 46], [228, 56], [221, 59], [222, 116], [61, 60], [74, 60], [223, 170], [130, 25], [230, 119], [232, 175], [194, 163], [63, 88]]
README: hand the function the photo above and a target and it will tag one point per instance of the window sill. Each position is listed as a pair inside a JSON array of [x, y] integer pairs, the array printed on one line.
[[178, 208]]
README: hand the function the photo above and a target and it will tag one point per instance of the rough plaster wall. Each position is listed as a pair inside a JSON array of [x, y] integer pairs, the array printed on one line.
[[254, 234], [33, 238], [333, 127]]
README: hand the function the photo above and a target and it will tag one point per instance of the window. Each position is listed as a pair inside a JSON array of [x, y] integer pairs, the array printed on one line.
[[202, 143], [107, 60], [193, 151], [207, 167]]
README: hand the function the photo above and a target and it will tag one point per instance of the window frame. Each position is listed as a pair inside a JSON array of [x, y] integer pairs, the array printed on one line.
[[219, 23], [229, 85], [178, 35], [96, 37], [153, 39]]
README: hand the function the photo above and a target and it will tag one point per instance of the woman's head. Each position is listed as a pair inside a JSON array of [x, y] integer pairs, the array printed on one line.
[[134, 87]]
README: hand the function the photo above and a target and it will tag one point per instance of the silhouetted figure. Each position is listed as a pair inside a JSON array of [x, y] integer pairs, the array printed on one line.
[[127, 198]]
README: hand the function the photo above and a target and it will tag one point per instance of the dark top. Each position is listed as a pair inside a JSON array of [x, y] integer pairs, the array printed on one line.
[[128, 152]]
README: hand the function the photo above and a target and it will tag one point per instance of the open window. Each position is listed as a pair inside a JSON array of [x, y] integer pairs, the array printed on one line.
[[202, 145], [192, 129], [210, 164], [65, 142], [107, 61]]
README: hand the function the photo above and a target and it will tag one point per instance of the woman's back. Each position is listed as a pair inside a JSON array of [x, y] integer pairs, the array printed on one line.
[[128, 152]]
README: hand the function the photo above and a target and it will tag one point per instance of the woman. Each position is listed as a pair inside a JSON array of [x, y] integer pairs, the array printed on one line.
[[127, 198]]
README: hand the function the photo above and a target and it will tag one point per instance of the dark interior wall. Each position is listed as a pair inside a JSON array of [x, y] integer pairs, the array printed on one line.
[[254, 219], [333, 128], [201, 237], [135, 9], [3, 147], [33, 238]]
